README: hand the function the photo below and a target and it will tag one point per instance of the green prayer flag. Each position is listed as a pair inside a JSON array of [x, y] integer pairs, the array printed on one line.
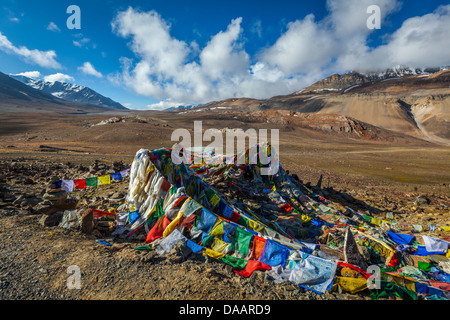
[[235, 262], [424, 266], [389, 289], [243, 221], [91, 182], [207, 240], [241, 241], [143, 248]]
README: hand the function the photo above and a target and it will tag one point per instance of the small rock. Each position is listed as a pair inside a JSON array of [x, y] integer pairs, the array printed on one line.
[[422, 200]]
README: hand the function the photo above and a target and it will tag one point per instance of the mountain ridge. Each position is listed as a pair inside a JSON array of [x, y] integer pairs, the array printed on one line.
[[406, 100], [70, 92]]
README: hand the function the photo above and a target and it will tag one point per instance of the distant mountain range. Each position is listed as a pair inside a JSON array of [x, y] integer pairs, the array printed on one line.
[[410, 101], [70, 92], [16, 96], [178, 108]]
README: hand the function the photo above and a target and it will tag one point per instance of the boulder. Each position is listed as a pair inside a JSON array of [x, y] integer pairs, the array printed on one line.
[[51, 220], [57, 197], [87, 221]]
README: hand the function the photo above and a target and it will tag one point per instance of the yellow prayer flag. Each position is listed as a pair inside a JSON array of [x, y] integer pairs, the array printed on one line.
[[401, 281], [352, 285], [168, 230], [214, 200], [255, 226], [445, 228], [218, 245], [217, 229], [375, 221], [213, 254], [106, 179]]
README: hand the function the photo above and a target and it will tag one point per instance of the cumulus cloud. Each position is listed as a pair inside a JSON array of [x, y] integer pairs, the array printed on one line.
[[53, 27], [89, 69], [61, 77], [45, 59], [177, 72], [419, 42], [30, 74]]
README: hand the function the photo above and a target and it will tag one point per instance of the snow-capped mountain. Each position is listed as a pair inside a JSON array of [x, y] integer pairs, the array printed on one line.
[[400, 71], [70, 92]]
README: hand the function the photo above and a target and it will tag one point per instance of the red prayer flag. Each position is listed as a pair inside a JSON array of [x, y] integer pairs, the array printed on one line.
[[158, 229], [440, 285], [361, 271], [80, 183], [165, 186], [178, 202], [251, 266], [100, 214], [235, 216]]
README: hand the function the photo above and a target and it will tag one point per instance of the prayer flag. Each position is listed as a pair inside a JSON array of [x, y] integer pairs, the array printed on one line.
[[80, 183], [91, 182], [106, 179], [67, 185]]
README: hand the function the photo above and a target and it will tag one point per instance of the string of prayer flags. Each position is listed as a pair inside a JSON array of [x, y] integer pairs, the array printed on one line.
[[78, 184]]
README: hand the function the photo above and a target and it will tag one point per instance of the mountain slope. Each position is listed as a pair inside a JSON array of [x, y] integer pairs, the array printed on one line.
[[415, 102], [70, 92], [13, 89], [16, 96]]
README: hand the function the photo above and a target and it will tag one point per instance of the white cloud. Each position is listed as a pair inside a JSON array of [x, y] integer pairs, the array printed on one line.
[[304, 47], [42, 58], [419, 42], [163, 105], [223, 56], [58, 77], [53, 27], [89, 69], [177, 72], [30, 74], [257, 28], [81, 42], [14, 19]]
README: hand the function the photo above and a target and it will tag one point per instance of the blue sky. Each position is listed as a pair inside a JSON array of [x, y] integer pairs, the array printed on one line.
[[155, 54]]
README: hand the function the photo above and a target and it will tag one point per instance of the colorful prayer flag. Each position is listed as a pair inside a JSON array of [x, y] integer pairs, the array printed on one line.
[[80, 183], [124, 173], [116, 176], [67, 185], [214, 200], [106, 179], [91, 181]]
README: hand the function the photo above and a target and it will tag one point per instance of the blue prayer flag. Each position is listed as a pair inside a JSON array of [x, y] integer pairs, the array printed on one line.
[[273, 253], [206, 221]]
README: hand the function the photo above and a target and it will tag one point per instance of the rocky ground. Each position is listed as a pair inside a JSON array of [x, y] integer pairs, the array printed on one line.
[[44, 231]]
